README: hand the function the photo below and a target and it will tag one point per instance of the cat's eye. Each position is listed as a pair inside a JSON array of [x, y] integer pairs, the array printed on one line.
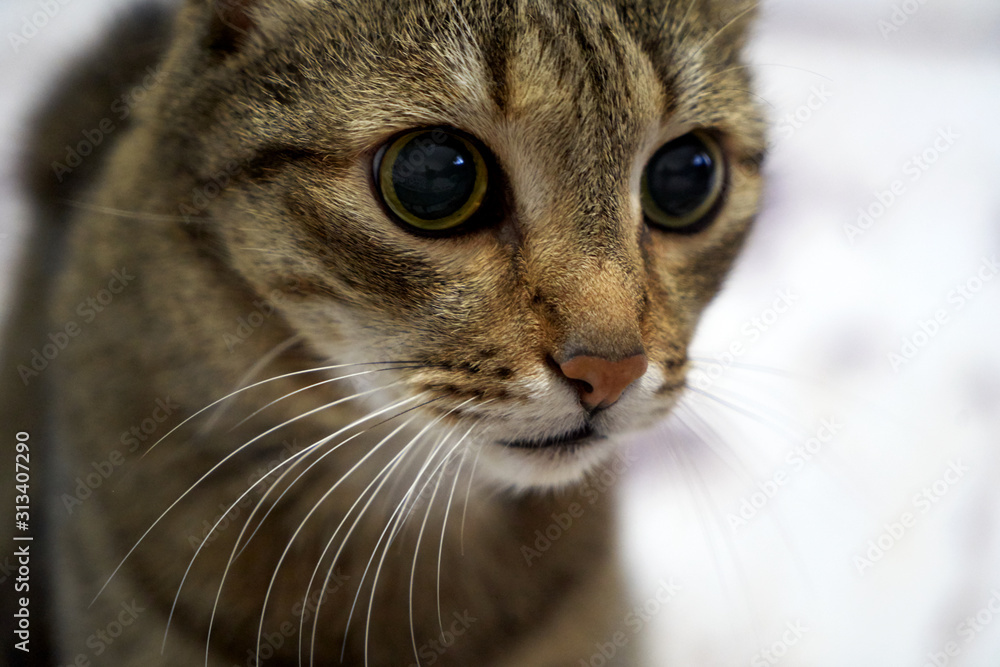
[[432, 179], [683, 182]]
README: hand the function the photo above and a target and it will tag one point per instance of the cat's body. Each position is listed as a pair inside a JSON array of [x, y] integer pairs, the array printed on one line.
[[236, 236]]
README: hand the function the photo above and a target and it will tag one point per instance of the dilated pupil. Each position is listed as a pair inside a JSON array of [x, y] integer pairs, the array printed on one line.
[[680, 176], [433, 178]]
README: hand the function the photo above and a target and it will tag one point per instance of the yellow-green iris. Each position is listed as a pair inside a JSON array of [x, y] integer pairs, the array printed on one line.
[[683, 182], [432, 179]]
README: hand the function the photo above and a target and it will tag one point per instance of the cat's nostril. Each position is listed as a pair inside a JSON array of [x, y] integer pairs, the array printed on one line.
[[601, 382]]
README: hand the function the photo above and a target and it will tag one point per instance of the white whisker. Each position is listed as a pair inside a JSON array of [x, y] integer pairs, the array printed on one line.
[[260, 364], [297, 458], [383, 474], [444, 525], [247, 388], [310, 448], [465, 508], [364, 575], [216, 467], [311, 386], [416, 549]]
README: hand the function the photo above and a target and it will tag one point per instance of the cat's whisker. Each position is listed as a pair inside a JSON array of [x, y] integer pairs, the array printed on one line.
[[403, 510], [413, 494], [777, 428], [775, 425], [440, 472], [317, 444], [201, 545], [317, 505], [763, 99], [318, 384], [382, 475], [705, 496], [486, 402], [216, 467], [294, 460], [411, 445], [775, 416], [399, 515], [295, 534], [122, 213], [700, 428], [465, 507], [867, 403], [771, 370], [231, 394], [444, 525], [731, 547], [754, 66], [844, 474], [259, 365], [390, 466], [270, 252], [312, 447], [731, 22]]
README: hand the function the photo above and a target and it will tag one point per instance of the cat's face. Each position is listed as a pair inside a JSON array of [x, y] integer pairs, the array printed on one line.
[[484, 191]]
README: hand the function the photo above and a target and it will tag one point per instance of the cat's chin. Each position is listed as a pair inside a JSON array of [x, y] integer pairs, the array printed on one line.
[[523, 467]]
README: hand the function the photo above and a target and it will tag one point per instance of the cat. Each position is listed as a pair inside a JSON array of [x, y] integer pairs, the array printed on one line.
[[361, 299]]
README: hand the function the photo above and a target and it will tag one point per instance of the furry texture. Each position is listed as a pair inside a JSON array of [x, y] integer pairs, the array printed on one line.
[[246, 213]]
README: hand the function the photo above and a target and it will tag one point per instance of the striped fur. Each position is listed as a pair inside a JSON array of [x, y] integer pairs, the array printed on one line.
[[248, 182]]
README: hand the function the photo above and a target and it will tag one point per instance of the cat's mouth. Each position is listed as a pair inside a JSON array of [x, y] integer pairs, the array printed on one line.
[[571, 439]]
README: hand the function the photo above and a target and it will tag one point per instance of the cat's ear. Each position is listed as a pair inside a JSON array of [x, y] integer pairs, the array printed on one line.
[[230, 24]]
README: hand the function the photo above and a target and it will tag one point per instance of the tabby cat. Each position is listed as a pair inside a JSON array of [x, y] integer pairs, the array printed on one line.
[[365, 293]]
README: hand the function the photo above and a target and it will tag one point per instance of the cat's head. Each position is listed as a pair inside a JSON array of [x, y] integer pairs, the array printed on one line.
[[527, 202]]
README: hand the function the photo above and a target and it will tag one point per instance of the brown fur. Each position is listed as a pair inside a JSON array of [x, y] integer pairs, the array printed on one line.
[[283, 105]]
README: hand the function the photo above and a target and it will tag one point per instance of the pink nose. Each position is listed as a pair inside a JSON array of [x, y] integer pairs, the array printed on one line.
[[601, 382]]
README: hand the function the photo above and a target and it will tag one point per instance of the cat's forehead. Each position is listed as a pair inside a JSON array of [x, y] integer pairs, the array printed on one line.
[[518, 55], [529, 54], [569, 73]]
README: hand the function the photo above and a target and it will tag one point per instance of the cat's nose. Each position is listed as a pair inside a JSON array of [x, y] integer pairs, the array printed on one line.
[[600, 381]]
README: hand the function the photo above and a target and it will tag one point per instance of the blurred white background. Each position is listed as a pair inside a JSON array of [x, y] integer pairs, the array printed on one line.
[[883, 547]]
